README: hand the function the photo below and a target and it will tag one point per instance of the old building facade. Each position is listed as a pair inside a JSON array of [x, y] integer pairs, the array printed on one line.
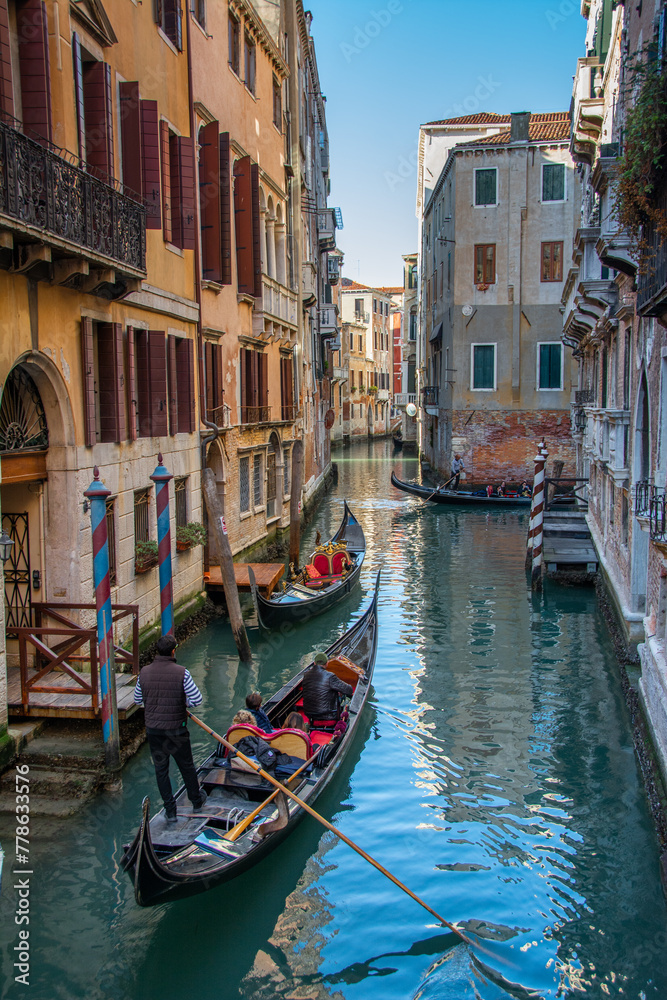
[[368, 346]]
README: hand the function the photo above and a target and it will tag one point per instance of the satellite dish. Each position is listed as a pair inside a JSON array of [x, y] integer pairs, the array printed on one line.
[[411, 410], [329, 418], [467, 310]]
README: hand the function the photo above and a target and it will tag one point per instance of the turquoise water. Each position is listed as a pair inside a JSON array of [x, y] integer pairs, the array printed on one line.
[[494, 774]]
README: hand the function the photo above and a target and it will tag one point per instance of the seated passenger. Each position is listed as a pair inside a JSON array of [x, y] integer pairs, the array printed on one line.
[[489, 490], [525, 489], [321, 690], [261, 719], [295, 721], [500, 490], [252, 746]]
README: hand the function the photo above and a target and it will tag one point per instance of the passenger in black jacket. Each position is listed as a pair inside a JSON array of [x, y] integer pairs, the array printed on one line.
[[321, 690]]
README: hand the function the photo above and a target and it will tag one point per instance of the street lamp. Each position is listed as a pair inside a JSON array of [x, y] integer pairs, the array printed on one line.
[[6, 545]]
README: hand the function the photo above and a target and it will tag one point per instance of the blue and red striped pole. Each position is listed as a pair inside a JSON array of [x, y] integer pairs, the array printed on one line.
[[161, 479], [97, 493]]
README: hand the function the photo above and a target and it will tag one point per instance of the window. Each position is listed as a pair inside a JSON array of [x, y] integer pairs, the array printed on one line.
[[199, 12], [483, 366], [250, 55], [140, 140], [351, 378], [286, 470], [150, 379], [287, 390], [277, 104], [244, 483], [485, 186], [626, 368], [257, 484], [111, 540], [549, 373], [247, 227], [359, 310], [254, 387], [553, 182], [168, 17], [485, 264], [181, 501], [412, 276], [552, 261], [141, 523], [178, 195], [413, 325], [92, 84], [352, 412], [234, 44], [214, 382], [103, 381]]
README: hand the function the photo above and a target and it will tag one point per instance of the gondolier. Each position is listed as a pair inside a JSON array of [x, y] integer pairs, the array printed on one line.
[[167, 690], [457, 469]]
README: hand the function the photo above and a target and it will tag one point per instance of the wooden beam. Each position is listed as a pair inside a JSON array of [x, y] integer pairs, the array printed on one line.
[[67, 268], [31, 254]]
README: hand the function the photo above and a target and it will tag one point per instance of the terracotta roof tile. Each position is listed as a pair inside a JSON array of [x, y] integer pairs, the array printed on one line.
[[543, 128], [391, 289], [348, 284], [483, 118]]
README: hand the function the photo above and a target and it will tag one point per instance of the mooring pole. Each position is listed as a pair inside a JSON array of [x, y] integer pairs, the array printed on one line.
[[531, 523], [161, 478], [536, 574], [295, 504], [216, 524], [97, 494]]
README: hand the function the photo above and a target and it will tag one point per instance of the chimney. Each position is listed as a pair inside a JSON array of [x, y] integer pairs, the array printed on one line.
[[519, 126]]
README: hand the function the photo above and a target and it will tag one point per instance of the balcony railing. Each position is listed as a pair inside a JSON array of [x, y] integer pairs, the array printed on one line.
[[643, 497], [403, 398], [288, 413], [278, 301], [652, 273], [658, 517], [255, 414], [430, 395], [42, 190]]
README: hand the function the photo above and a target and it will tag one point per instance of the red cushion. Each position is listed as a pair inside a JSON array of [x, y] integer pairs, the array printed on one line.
[[321, 564], [339, 562], [313, 574], [320, 739]]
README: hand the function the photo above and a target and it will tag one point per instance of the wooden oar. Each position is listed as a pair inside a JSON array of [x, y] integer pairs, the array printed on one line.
[[237, 830], [443, 486], [355, 847]]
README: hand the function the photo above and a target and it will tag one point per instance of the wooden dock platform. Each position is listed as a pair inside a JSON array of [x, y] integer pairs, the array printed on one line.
[[69, 704], [568, 546], [266, 575]]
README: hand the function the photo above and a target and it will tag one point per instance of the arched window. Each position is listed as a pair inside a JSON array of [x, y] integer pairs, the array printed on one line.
[[22, 419]]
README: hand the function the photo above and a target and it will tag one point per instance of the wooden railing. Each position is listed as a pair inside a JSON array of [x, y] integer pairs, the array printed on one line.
[[566, 491]]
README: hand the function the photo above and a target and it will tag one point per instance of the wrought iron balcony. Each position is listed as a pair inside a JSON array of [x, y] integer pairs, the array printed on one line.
[[652, 271], [430, 395], [289, 413], [643, 498], [658, 517], [255, 414]]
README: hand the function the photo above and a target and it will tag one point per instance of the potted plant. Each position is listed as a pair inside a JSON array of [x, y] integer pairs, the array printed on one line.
[[353, 388], [372, 388], [190, 534], [145, 556]]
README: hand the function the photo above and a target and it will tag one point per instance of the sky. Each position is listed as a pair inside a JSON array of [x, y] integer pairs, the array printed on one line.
[[388, 67]]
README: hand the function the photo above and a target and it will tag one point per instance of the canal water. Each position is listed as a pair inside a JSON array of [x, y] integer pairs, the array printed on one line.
[[494, 774]]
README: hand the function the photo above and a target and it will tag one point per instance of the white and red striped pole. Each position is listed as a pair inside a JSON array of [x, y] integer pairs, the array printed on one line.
[[538, 517], [531, 523], [161, 479]]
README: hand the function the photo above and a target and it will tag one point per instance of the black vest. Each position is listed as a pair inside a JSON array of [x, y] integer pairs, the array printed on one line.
[[163, 694]]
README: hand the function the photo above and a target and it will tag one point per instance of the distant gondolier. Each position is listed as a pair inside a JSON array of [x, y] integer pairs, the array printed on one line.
[[457, 469]]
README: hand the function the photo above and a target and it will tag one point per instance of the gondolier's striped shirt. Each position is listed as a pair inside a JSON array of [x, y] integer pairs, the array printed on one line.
[[193, 695]]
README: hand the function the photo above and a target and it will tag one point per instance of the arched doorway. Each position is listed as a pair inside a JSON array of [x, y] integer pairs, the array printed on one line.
[[216, 462]]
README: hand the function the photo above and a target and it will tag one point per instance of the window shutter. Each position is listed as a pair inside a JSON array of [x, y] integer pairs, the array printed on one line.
[[254, 384], [172, 381], [173, 16], [98, 118], [143, 386], [77, 66], [33, 37], [158, 382], [209, 201], [219, 385], [243, 226], [165, 160], [111, 381], [150, 162], [119, 381], [130, 132], [6, 89], [183, 192], [256, 232], [132, 385], [225, 210], [245, 375], [88, 373], [185, 385], [208, 361]]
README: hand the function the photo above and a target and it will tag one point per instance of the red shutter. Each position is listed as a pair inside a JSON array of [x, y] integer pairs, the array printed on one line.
[[132, 385], [143, 384], [119, 382], [77, 66], [172, 384], [254, 381], [217, 379], [98, 118], [165, 159], [244, 383], [88, 379], [182, 192], [130, 133], [6, 88], [150, 163], [186, 385], [208, 362], [111, 381], [209, 202], [243, 226], [256, 232], [33, 39], [157, 377], [225, 210]]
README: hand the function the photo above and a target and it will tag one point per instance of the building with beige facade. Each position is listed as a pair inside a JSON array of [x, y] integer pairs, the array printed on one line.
[[367, 345]]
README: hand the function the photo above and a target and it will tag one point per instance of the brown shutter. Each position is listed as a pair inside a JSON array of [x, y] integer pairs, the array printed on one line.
[[130, 133], [111, 381], [33, 39], [256, 233], [225, 209], [132, 385], [6, 88], [244, 382], [283, 390], [143, 384], [157, 377], [98, 118], [263, 382], [88, 373], [209, 202], [172, 384], [77, 66], [150, 163], [186, 385], [165, 159], [243, 226], [183, 192], [173, 15], [254, 380], [217, 379]]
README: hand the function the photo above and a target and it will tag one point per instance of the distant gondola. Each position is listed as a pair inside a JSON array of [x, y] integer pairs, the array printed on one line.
[[460, 497], [169, 862], [331, 573], [398, 441]]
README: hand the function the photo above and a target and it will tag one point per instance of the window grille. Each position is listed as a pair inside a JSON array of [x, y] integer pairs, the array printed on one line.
[[244, 483], [257, 480], [286, 470], [181, 501], [141, 522], [111, 537]]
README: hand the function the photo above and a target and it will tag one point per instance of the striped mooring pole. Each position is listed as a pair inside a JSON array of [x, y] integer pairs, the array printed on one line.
[[97, 494], [538, 517], [161, 479], [531, 522]]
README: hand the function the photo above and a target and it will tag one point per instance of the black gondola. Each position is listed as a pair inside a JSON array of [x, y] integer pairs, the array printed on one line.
[[169, 862], [398, 441], [460, 497], [331, 573]]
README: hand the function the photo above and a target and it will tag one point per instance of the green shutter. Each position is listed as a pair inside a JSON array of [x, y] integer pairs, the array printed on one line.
[[485, 187], [550, 355], [553, 182], [483, 356]]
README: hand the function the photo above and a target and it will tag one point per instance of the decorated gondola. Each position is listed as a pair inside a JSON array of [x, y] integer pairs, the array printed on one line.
[[330, 574], [244, 816], [460, 497]]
